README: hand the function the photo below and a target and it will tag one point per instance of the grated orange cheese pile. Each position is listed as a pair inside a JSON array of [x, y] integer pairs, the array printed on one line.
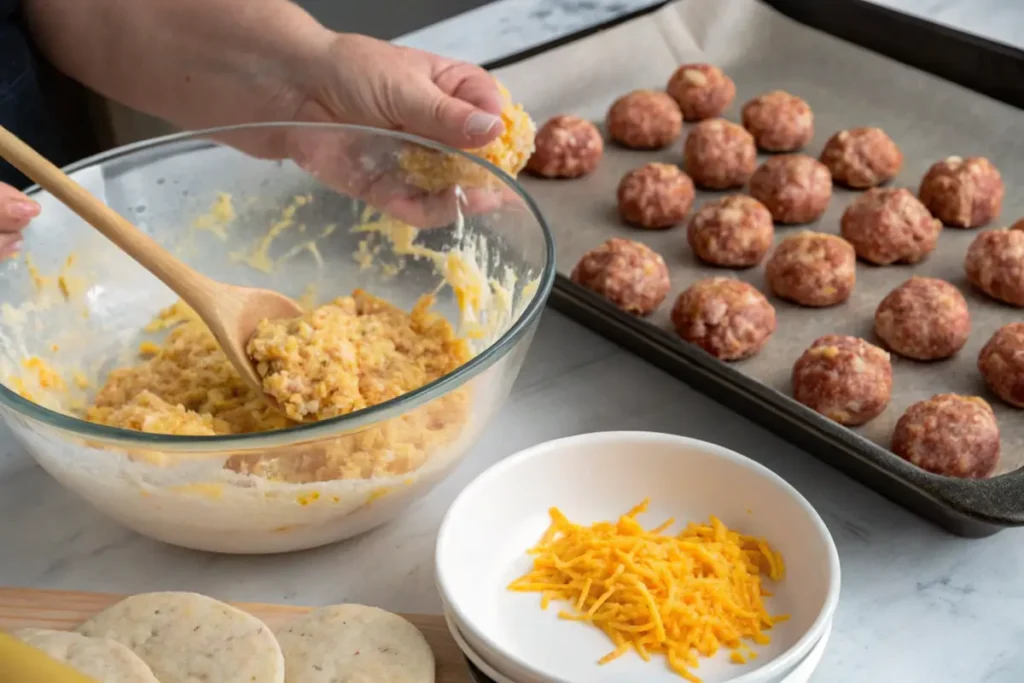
[[682, 596]]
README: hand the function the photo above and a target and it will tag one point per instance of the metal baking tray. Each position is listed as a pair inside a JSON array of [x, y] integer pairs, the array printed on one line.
[[992, 70]]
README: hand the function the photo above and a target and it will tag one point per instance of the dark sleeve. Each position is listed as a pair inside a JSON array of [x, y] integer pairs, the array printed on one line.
[[26, 104]]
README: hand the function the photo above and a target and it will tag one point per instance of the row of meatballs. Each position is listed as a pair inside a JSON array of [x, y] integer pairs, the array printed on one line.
[[844, 378]]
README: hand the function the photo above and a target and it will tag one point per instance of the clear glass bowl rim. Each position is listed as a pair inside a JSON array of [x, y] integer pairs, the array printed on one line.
[[351, 422]]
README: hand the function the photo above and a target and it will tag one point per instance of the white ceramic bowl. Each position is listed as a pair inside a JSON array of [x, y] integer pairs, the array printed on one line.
[[482, 543]]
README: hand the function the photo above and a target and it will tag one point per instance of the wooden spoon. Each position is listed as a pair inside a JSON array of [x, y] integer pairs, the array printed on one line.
[[230, 312]]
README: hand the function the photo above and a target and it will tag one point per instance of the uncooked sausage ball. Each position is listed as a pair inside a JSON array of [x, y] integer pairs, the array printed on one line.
[[812, 269], [860, 158], [566, 147], [995, 265], [846, 379], [1001, 363], [726, 317], [888, 225], [963, 193], [644, 119], [629, 274], [733, 232], [702, 91], [949, 434], [719, 154], [923, 319], [796, 188], [655, 196], [779, 121]]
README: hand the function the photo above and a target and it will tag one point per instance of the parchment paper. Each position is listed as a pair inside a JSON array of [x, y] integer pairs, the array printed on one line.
[[846, 87]]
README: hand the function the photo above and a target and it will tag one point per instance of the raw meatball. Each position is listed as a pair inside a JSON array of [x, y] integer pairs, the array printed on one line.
[[890, 226], [655, 196], [796, 188], [846, 379], [629, 274], [726, 317], [923, 319], [734, 231], [948, 434], [566, 147], [995, 265], [779, 121], [862, 157], [812, 269], [702, 91], [963, 193], [644, 119], [1001, 363], [719, 154]]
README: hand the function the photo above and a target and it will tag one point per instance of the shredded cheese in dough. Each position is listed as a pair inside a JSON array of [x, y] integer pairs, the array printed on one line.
[[682, 596]]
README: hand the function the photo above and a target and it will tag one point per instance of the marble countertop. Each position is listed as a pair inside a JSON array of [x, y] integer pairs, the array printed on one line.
[[918, 605]]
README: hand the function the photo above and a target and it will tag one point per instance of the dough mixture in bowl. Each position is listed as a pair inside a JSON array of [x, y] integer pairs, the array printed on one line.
[[361, 349]]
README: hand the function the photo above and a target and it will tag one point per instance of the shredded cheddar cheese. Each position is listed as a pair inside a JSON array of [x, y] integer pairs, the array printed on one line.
[[683, 596]]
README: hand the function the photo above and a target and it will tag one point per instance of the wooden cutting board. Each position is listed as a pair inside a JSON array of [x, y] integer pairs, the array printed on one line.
[[65, 610]]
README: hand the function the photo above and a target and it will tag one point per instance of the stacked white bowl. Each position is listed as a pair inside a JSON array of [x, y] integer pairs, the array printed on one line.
[[481, 548]]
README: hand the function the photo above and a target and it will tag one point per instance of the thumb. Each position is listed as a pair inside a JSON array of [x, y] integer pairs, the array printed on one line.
[[428, 111]]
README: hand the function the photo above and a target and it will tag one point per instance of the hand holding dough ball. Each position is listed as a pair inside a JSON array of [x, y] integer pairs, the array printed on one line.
[[726, 317], [629, 274], [1001, 363], [566, 147], [995, 265], [779, 121], [702, 91], [890, 226], [860, 158], [733, 232], [846, 379], [923, 319], [795, 188], [812, 269], [644, 119], [719, 154], [951, 435], [963, 193], [655, 196]]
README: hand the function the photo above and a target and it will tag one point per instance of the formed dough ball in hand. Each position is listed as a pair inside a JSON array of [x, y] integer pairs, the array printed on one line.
[[949, 434], [860, 158], [702, 91], [889, 225], [726, 317], [629, 274], [719, 154], [1001, 363], [644, 119], [995, 265], [963, 193], [566, 147], [846, 379], [655, 196], [812, 269], [795, 188], [923, 319], [779, 121], [733, 232]]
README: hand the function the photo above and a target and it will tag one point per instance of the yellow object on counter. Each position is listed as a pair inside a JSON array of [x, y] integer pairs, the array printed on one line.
[[21, 663]]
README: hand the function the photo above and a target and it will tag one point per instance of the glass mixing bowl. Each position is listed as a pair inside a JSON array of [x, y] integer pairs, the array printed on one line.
[[314, 211]]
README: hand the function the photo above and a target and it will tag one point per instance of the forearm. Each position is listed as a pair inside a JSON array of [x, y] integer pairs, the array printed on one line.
[[196, 63]]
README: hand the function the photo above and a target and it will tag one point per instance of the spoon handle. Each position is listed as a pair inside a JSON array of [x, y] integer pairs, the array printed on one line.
[[183, 280]]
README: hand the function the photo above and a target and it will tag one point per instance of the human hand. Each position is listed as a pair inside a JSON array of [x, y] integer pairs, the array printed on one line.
[[16, 210]]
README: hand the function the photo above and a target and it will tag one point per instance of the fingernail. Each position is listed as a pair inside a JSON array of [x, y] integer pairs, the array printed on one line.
[[481, 123], [22, 210], [12, 249]]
